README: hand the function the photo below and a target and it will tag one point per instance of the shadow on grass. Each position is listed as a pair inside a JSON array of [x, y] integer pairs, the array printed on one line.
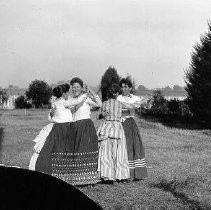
[[174, 186], [178, 123]]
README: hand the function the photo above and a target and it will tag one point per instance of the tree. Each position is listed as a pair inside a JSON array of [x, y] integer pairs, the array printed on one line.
[[198, 78], [3, 96], [159, 105], [39, 92], [110, 77], [167, 89], [142, 88], [13, 87], [178, 88]]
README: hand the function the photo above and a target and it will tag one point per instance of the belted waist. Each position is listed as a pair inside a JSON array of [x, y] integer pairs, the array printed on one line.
[[114, 120]]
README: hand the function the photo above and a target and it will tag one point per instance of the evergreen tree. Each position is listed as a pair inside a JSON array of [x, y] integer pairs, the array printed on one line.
[[198, 78], [110, 77]]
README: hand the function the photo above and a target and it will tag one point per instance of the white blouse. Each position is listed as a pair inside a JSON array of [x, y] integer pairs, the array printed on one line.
[[131, 99], [62, 112], [83, 110]]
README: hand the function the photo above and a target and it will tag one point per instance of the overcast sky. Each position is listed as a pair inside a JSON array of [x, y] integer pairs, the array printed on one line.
[[56, 40]]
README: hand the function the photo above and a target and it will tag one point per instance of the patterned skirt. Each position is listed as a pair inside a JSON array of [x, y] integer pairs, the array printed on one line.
[[135, 150], [113, 159], [77, 160]]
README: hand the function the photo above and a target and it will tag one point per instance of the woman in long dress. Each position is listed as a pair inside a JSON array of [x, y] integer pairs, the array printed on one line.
[[84, 148], [42, 136], [57, 138], [135, 148], [113, 159]]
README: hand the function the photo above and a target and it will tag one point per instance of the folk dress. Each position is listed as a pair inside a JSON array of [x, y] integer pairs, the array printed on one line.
[[84, 148], [135, 148], [113, 159], [52, 152]]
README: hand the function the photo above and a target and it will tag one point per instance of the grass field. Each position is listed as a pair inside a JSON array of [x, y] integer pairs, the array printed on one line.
[[178, 162]]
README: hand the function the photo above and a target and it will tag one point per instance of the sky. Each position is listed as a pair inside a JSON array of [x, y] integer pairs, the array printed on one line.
[[55, 40]]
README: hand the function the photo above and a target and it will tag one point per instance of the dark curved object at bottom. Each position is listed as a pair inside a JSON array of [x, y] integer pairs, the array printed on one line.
[[25, 189]]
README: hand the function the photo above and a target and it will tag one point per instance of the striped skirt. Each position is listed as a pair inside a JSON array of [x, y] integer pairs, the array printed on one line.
[[113, 159], [135, 150]]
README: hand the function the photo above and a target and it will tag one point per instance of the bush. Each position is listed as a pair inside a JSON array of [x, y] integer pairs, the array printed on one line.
[[159, 105], [174, 106], [167, 110], [22, 103], [185, 110]]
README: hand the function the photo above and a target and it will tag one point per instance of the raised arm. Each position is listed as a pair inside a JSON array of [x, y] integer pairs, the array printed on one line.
[[94, 99]]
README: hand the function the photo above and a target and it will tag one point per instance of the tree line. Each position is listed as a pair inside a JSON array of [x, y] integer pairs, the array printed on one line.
[[196, 106]]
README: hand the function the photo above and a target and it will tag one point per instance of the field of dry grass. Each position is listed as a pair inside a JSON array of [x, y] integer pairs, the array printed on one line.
[[178, 162]]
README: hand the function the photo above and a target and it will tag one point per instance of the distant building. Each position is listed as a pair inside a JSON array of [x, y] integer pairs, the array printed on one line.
[[10, 103], [13, 93], [180, 98]]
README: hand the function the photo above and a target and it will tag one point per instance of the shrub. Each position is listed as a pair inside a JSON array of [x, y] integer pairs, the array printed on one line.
[[22, 103]]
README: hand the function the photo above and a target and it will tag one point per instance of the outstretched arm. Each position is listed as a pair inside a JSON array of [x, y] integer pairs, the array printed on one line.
[[75, 101], [142, 101], [127, 105]]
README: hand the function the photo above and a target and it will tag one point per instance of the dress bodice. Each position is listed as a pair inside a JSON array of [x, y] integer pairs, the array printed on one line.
[[131, 99], [61, 114], [83, 110], [112, 110]]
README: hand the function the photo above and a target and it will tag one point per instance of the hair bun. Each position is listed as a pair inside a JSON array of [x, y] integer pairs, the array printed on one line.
[[57, 91], [65, 87], [113, 90]]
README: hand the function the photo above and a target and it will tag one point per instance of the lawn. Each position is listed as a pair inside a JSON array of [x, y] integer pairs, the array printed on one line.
[[178, 162]]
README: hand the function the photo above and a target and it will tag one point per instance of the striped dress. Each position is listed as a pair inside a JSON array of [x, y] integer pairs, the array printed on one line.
[[113, 160]]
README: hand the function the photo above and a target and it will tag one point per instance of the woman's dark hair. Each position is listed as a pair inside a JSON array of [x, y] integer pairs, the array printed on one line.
[[112, 91], [65, 87], [77, 80], [57, 91], [126, 81]]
